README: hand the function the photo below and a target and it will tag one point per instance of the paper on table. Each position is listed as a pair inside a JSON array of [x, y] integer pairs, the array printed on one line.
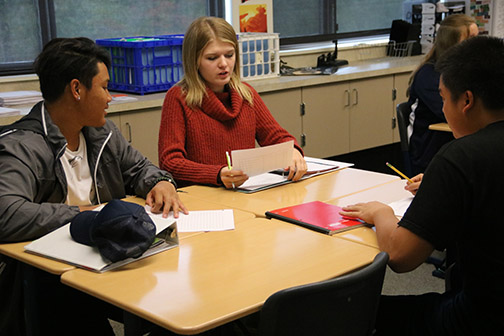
[[315, 167], [260, 160], [263, 180], [195, 221], [401, 206]]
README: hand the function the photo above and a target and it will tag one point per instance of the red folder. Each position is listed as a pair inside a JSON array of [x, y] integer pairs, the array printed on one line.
[[318, 216]]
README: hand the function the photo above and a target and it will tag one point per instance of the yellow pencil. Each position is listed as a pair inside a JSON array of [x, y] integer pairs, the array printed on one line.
[[229, 165], [398, 172]]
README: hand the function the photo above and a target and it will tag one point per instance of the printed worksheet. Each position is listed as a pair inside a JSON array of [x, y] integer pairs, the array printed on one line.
[[195, 221], [261, 160]]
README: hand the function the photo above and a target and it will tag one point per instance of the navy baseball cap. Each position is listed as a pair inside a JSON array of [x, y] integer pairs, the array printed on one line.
[[120, 230]]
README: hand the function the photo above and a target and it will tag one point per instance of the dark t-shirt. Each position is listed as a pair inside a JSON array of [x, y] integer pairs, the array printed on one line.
[[460, 204]]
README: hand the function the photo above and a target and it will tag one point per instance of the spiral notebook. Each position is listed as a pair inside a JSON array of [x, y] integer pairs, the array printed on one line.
[[318, 216]]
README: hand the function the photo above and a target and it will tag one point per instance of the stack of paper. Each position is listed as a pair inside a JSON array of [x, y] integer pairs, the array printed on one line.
[[122, 98], [11, 98], [7, 112], [278, 177]]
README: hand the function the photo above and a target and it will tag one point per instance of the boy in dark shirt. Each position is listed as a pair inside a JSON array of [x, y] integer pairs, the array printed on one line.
[[457, 204]]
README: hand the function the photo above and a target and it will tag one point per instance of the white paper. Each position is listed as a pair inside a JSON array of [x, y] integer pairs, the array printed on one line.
[[59, 244], [204, 220], [315, 165], [5, 111], [261, 160], [20, 97], [401, 206], [263, 180], [122, 99], [19, 94]]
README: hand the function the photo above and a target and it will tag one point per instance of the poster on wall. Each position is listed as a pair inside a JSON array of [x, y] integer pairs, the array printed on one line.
[[489, 15], [253, 16]]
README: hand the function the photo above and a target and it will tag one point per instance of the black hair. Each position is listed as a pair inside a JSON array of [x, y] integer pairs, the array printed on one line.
[[65, 59], [476, 65]]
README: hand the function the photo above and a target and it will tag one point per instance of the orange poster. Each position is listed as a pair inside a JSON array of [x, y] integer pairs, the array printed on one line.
[[253, 18]]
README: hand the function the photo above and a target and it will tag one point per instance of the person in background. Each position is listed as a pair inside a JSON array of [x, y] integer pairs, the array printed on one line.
[[424, 99], [457, 205], [62, 158], [210, 111]]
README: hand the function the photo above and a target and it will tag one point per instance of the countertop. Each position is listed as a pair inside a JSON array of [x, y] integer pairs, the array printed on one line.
[[355, 70]]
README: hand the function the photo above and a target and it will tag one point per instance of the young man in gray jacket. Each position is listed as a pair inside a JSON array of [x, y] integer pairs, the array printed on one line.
[[65, 157]]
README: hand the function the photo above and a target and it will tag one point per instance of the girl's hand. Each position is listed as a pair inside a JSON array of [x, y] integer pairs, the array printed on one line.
[[298, 166], [232, 178]]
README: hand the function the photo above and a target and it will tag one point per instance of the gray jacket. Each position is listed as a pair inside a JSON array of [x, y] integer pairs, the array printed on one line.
[[33, 184]]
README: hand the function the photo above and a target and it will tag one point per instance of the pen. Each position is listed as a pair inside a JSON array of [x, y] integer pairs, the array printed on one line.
[[229, 165], [398, 172]]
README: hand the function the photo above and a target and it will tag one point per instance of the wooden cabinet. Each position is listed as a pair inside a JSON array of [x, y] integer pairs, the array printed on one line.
[[371, 113], [337, 118], [326, 120], [285, 107], [141, 129]]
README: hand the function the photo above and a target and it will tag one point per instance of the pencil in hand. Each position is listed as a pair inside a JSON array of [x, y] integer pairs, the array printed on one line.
[[398, 172]]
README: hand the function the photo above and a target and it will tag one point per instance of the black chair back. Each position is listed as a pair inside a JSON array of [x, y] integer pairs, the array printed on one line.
[[346, 305], [403, 111]]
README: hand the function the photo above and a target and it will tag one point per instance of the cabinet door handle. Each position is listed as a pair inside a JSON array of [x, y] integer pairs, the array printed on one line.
[[129, 131], [347, 98], [356, 97]]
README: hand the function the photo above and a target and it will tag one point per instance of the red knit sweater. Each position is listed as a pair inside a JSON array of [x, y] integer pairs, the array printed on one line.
[[193, 142]]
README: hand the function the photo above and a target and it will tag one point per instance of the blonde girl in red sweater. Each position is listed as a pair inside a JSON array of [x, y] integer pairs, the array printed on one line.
[[210, 111]]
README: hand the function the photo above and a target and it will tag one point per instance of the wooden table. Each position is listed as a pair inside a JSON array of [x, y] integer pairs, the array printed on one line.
[[218, 277], [17, 251], [386, 193], [320, 188], [444, 127]]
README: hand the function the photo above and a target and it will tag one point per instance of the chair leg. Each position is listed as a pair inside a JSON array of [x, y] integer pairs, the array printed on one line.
[[440, 265]]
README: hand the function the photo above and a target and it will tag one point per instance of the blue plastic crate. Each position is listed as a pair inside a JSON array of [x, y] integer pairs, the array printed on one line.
[[144, 64]]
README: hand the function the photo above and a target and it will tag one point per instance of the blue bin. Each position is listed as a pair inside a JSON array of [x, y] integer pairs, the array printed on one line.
[[144, 64]]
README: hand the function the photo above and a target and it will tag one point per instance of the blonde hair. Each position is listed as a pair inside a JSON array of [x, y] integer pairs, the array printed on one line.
[[450, 32], [200, 33]]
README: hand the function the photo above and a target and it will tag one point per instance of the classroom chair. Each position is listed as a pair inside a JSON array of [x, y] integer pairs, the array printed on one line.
[[403, 111], [346, 305]]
